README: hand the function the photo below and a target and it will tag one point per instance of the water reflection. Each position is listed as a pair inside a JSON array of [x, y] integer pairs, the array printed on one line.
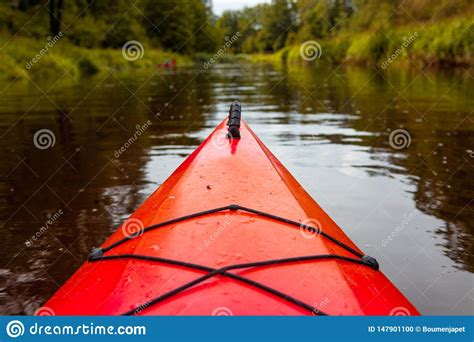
[[329, 125]]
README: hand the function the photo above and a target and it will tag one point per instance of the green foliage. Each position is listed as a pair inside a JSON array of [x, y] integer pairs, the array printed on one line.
[[120, 28], [323, 18], [365, 31], [248, 23], [453, 41], [368, 47], [204, 32], [278, 23], [169, 24], [183, 26], [87, 66], [87, 32], [449, 42], [65, 59], [229, 24], [371, 31], [369, 15], [180, 25]]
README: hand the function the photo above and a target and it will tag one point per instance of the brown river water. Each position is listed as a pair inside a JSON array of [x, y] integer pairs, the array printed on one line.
[[388, 154]]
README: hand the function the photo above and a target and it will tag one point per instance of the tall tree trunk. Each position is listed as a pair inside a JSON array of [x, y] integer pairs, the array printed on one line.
[[52, 16], [55, 16], [60, 15]]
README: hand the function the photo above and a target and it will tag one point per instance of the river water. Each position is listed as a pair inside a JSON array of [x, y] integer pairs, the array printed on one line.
[[407, 202]]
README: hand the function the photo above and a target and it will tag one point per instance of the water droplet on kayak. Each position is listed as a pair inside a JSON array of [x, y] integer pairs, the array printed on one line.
[[238, 255], [293, 237], [201, 222], [221, 261]]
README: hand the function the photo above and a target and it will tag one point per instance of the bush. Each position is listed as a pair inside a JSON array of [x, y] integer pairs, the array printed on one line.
[[88, 67], [87, 32], [368, 47], [447, 42]]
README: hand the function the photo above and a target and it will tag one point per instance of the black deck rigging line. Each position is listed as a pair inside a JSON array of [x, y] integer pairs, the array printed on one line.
[[224, 271], [308, 228], [166, 223], [235, 207], [98, 255]]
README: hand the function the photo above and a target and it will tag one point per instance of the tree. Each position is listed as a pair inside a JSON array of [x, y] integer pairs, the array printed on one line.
[[204, 31], [170, 23], [55, 16], [228, 24], [278, 22]]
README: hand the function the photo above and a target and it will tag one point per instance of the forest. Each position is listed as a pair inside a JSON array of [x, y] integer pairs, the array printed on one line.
[[348, 30]]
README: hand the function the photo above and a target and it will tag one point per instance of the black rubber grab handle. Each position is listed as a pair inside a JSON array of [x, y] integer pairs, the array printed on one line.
[[234, 120]]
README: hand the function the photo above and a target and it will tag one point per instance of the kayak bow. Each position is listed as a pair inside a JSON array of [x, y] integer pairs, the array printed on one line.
[[231, 232]]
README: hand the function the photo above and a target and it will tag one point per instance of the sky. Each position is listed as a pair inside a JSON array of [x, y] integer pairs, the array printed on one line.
[[220, 6]]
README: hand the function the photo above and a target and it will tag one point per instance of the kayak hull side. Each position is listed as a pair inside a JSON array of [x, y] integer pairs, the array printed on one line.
[[218, 173]]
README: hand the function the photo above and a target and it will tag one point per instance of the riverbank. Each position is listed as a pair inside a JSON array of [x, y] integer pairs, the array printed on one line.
[[447, 43], [24, 58]]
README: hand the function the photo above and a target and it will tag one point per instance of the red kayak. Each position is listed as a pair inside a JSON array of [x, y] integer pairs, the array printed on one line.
[[231, 232]]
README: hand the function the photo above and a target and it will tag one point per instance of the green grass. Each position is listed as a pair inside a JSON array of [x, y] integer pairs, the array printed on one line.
[[450, 42], [17, 52]]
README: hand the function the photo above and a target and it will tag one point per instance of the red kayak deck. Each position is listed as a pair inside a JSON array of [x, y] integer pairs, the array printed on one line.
[[221, 172]]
